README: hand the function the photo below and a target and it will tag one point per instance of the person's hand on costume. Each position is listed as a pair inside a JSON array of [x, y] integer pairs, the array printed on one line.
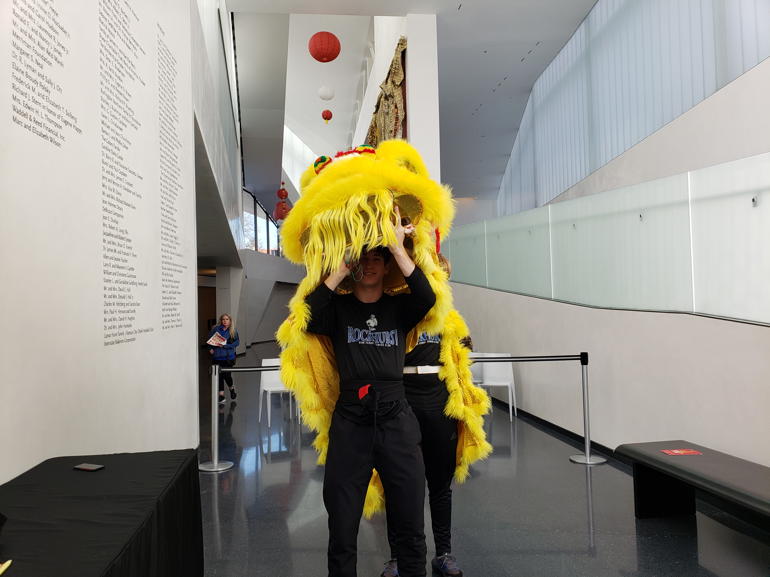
[[401, 232], [397, 249], [336, 277]]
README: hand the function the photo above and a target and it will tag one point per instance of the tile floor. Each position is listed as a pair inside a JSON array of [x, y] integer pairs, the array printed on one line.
[[527, 511]]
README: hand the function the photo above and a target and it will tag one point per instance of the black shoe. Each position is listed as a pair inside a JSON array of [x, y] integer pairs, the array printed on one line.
[[390, 570], [233, 393], [446, 566], [222, 397]]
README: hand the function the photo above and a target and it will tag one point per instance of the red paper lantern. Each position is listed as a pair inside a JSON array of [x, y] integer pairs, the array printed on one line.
[[324, 46], [282, 207], [327, 116], [281, 211]]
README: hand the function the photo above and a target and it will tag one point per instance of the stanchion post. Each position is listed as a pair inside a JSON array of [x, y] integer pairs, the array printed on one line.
[[590, 512], [586, 458], [215, 465]]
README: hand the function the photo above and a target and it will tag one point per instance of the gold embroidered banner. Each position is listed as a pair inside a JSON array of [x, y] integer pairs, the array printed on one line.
[[389, 118]]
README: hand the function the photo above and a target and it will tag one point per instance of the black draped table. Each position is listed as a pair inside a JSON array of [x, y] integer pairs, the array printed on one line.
[[139, 516]]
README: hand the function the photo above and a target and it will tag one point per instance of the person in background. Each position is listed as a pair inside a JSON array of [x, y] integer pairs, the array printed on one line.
[[224, 354]]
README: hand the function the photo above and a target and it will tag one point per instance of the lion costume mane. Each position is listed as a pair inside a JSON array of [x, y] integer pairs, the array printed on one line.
[[347, 203]]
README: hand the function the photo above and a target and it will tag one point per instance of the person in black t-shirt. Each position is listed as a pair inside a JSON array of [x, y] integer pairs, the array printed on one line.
[[372, 424]]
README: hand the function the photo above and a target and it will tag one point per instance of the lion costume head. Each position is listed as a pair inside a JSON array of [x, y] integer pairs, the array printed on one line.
[[348, 203]]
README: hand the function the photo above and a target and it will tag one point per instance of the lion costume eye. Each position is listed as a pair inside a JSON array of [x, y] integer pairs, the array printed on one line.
[[410, 208], [404, 163]]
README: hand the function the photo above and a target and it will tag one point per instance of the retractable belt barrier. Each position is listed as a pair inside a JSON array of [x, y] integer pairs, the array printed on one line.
[[216, 466], [586, 458]]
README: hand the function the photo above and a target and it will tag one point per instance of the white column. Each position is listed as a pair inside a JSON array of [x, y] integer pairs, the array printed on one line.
[[422, 113], [387, 31], [229, 287]]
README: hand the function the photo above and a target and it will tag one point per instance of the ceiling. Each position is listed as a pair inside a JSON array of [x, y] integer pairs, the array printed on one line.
[[261, 45], [490, 52], [305, 75]]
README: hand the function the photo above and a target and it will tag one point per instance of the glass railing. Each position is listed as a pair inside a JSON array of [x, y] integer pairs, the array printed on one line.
[[695, 242]]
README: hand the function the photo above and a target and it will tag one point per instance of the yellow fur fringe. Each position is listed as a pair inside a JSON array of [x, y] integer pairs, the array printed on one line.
[[345, 208]]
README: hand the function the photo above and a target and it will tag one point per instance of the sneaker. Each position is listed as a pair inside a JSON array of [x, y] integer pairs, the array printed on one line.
[[222, 397], [233, 393], [446, 565], [391, 569]]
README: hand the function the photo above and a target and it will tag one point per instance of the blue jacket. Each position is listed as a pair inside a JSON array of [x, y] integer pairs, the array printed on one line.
[[225, 352]]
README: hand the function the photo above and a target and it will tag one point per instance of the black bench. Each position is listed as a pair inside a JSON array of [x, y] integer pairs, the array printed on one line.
[[665, 484]]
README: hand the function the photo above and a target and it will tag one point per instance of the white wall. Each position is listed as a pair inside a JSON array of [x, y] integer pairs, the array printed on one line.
[[387, 31], [474, 210], [422, 104], [262, 272], [732, 123], [213, 109], [83, 244], [297, 156], [275, 312], [653, 376], [305, 75], [629, 69]]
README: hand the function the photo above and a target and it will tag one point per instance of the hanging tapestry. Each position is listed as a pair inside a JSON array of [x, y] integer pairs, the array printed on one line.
[[389, 118]]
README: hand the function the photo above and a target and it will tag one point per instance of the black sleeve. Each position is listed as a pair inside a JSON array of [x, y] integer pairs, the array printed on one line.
[[415, 305], [321, 306]]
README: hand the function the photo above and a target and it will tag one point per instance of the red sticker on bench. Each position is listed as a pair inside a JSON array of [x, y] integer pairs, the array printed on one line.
[[680, 452]]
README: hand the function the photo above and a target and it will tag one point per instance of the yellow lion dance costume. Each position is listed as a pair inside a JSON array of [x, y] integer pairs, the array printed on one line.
[[347, 204]]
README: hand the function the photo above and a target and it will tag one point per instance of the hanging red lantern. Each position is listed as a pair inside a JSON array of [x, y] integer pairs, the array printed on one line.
[[282, 207], [281, 211], [326, 115], [324, 46]]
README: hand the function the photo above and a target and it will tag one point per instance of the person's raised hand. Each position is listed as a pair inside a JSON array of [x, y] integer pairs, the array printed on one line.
[[337, 276], [401, 232]]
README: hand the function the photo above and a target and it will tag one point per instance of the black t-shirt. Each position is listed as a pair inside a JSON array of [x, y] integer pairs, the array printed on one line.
[[369, 338], [426, 392], [426, 352]]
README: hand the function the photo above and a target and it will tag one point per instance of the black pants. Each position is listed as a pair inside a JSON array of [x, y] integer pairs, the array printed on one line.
[[393, 448], [439, 451], [225, 377]]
